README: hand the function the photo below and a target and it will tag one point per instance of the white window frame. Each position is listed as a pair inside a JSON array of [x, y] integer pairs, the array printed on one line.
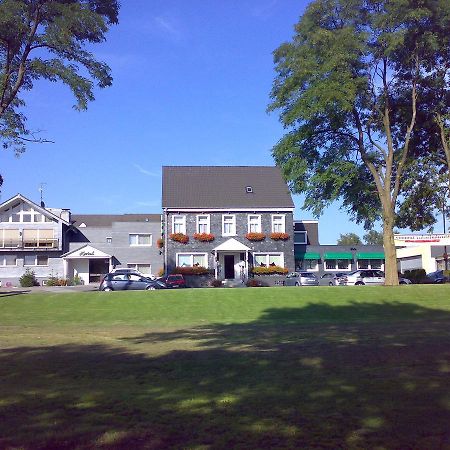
[[136, 265], [191, 254], [267, 255], [369, 264], [249, 217], [35, 261], [183, 224], [336, 266], [208, 222], [140, 234], [3, 261], [313, 269], [278, 222], [305, 234], [233, 231], [109, 240]]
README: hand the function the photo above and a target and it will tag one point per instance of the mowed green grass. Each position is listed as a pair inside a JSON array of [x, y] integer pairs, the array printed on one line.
[[343, 367]]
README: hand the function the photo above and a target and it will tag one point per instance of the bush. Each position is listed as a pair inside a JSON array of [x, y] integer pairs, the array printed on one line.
[[28, 279], [195, 270], [160, 243], [160, 272], [216, 283], [416, 276], [253, 283], [271, 270]]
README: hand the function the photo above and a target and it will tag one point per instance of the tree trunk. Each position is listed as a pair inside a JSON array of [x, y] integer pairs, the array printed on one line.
[[390, 255]]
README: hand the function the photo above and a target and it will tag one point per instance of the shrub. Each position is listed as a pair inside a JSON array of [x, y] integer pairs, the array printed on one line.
[[216, 283], [28, 279], [160, 243], [253, 283], [204, 237], [416, 276], [179, 237], [187, 270], [279, 236], [255, 236], [160, 272], [271, 270]]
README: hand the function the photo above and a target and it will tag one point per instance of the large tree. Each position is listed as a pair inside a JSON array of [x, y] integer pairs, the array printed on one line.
[[337, 87], [48, 39], [349, 239]]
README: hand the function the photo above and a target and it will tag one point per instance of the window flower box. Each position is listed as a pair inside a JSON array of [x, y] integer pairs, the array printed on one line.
[[160, 243], [255, 236], [279, 236], [188, 270], [271, 270], [179, 237], [204, 237]]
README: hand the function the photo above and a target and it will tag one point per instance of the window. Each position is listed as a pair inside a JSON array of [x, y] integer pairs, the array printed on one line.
[[35, 260], [254, 224], [278, 223], [179, 224], [300, 237], [307, 264], [38, 238], [203, 224], [8, 260], [140, 239], [145, 269], [370, 264], [192, 259], [26, 217], [228, 225], [109, 240], [337, 264], [268, 259], [11, 238]]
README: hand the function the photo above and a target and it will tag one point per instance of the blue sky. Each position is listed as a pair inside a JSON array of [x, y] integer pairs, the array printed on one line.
[[191, 87]]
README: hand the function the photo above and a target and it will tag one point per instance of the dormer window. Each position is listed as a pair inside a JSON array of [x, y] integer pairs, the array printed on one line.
[[249, 189]]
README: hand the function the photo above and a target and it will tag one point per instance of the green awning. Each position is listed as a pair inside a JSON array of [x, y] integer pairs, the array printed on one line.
[[379, 255], [307, 255], [342, 255]]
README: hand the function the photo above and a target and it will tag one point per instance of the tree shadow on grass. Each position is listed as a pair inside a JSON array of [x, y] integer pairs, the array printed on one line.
[[295, 378]]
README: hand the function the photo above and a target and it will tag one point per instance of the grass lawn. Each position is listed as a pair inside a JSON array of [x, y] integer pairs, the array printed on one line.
[[321, 367]]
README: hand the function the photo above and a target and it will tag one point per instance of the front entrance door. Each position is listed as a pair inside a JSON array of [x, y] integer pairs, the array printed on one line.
[[228, 262], [97, 268]]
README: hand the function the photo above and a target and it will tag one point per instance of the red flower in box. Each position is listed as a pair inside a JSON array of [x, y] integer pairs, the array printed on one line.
[[204, 237], [255, 236], [279, 236], [160, 243], [179, 237]]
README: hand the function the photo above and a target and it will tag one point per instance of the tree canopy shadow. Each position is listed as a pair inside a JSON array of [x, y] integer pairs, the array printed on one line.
[[295, 378]]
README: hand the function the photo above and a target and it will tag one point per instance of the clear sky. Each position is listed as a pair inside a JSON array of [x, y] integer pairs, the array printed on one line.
[[191, 86]]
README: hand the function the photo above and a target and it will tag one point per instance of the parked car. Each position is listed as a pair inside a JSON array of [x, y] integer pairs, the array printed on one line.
[[362, 277], [173, 281], [331, 279], [129, 270], [403, 280], [437, 277], [116, 281], [301, 279]]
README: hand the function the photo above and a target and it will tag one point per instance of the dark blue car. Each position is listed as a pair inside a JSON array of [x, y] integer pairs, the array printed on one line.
[[129, 282]]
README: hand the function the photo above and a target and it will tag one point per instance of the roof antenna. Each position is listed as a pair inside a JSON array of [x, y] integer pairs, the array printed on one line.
[[41, 190]]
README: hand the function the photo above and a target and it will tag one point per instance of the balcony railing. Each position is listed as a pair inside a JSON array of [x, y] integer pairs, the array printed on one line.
[[30, 244]]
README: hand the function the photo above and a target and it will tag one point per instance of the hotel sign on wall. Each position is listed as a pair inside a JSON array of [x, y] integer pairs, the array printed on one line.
[[436, 239]]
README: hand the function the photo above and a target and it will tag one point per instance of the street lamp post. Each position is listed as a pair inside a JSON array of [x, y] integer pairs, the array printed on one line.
[[444, 211]]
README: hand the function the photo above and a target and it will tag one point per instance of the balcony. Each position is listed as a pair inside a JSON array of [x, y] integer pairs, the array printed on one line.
[[30, 244]]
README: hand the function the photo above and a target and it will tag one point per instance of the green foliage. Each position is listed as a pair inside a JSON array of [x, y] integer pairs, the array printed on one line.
[[270, 270], [349, 239], [49, 39], [373, 237], [416, 276], [28, 279]]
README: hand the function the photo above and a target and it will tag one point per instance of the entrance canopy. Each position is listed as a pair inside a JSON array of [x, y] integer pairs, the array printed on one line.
[[232, 245], [86, 252]]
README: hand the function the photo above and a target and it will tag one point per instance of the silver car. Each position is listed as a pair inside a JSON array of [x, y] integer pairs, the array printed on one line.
[[331, 279], [362, 277], [301, 279]]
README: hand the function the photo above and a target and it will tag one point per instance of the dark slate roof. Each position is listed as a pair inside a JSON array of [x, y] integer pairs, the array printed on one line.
[[106, 220], [224, 187]]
